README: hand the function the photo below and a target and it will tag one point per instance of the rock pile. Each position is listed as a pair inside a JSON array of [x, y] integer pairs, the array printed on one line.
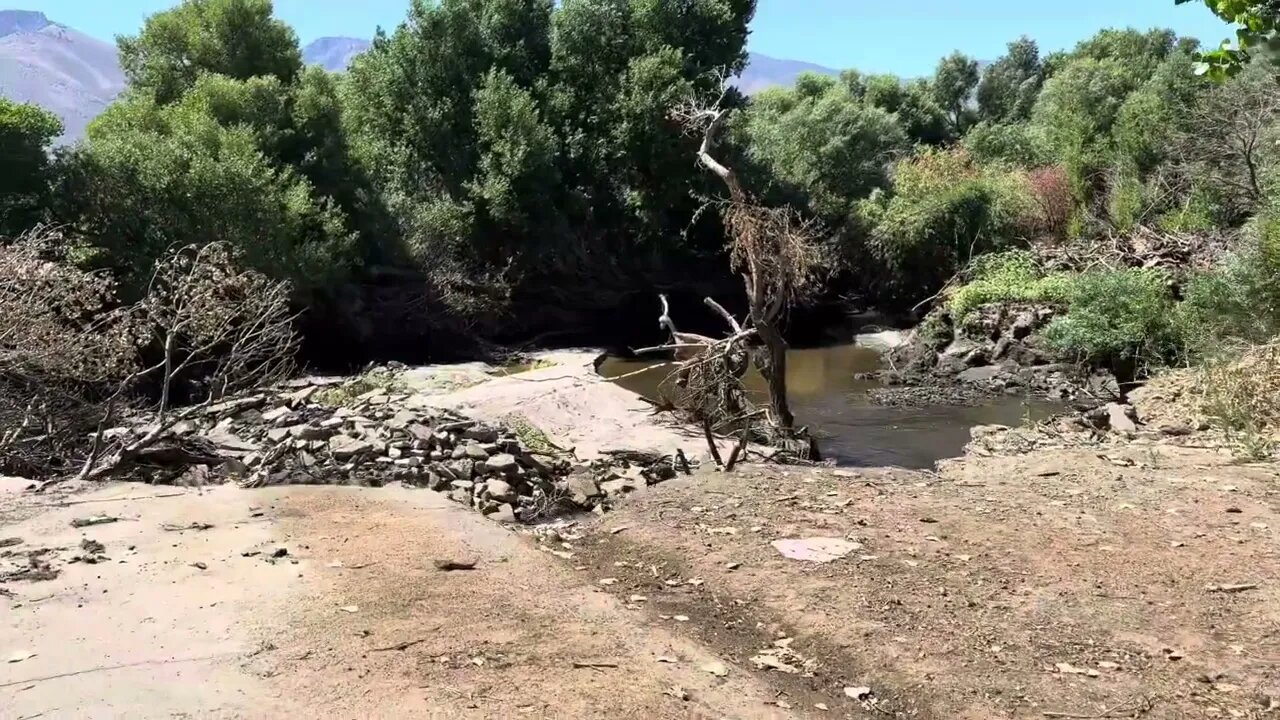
[[379, 437], [1000, 349]]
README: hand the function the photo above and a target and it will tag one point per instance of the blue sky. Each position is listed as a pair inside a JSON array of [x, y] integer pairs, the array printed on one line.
[[872, 35]]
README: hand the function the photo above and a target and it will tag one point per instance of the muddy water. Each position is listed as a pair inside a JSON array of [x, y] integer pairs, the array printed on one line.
[[826, 396]]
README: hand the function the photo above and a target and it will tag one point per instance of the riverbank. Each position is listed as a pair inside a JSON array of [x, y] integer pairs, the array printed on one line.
[[1114, 572]]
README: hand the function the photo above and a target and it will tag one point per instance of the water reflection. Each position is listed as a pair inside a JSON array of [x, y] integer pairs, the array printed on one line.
[[826, 396]]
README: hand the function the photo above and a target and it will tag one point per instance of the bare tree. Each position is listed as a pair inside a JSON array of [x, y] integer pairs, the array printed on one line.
[[62, 348], [774, 250], [216, 324], [1229, 137], [72, 358]]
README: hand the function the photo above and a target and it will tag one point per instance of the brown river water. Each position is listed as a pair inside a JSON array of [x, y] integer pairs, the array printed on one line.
[[826, 396]]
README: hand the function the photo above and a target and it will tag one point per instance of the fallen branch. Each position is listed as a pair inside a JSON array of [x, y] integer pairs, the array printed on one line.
[[711, 442], [593, 665], [400, 646]]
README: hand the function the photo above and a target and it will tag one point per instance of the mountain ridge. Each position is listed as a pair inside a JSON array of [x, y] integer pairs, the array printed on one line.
[[334, 53], [76, 76]]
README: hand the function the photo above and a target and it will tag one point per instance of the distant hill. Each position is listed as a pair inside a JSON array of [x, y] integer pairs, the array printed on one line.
[[335, 54], [766, 72], [64, 71], [76, 76]]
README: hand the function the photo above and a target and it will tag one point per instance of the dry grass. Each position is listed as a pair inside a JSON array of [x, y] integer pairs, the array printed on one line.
[[1242, 397]]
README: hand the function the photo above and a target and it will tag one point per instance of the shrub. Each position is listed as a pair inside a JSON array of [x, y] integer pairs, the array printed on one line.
[[1015, 143], [1126, 204], [1242, 397], [1117, 315], [1236, 302], [1005, 278], [946, 211], [1050, 190]]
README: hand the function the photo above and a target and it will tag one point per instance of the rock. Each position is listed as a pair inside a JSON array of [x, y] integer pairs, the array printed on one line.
[[420, 433], [461, 496], [436, 481], [502, 491], [475, 451], [582, 488], [817, 549], [1023, 325], [452, 564], [481, 434], [503, 463], [311, 432], [276, 435], [505, 514], [344, 447], [463, 485], [621, 486], [276, 415], [300, 397], [984, 375], [1122, 418], [462, 469]]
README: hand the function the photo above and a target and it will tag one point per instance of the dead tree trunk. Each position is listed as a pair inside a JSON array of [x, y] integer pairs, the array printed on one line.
[[766, 295]]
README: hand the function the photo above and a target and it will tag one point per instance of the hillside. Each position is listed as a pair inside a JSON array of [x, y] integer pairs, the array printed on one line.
[[763, 71], [67, 72]]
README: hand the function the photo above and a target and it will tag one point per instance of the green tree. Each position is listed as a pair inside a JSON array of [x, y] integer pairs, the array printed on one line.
[[823, 141], [237, 38], [25, 134], [152, 175], [1010, 85], [953, 86], [1257, 35], [920, 115]]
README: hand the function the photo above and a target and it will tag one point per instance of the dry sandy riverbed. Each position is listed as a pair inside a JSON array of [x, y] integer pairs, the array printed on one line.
[[1142, 583]]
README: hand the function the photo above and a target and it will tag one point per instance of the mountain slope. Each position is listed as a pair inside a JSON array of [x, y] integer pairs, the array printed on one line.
[[66, 72], [764, 71], [333, 53]]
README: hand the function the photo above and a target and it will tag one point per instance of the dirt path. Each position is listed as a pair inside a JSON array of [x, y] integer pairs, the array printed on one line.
[[1059, 584], [144, 633]]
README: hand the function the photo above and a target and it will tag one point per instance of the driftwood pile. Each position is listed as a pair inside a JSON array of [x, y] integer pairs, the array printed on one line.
[[289, 437]]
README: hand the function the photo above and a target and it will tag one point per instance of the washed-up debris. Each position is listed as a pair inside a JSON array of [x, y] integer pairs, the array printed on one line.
[[280, 552], [37, 569], [1069, 669], [350, 608], [20, 656], [1232, 588], [10, 542], [93, 520], [170, 527], [199, 566], [816, 549], [451, 564], [677, 692], [93, 547], [306, 436], [594, 665]]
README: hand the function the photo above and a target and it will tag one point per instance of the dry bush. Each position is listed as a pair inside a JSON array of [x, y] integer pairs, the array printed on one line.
[[64, 347], [219, 329], [73, 363], [1242, 397]]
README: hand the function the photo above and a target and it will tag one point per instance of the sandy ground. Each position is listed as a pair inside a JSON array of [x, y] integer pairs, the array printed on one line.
[[1059, 584], [1122, 581], [355, 621], [566, 399]]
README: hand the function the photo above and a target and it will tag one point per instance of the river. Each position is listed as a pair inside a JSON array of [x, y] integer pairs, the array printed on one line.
[[826, 396]]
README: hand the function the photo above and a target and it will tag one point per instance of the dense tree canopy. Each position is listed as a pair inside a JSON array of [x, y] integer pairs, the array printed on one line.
[[25, 134], [516, 162]]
